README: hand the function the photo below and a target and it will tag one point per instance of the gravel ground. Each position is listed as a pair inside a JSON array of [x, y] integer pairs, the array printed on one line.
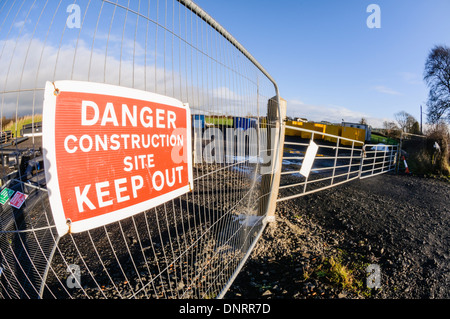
[[401, 223]]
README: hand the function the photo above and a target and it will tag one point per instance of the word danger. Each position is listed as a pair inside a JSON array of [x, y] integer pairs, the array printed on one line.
[[162, 118]]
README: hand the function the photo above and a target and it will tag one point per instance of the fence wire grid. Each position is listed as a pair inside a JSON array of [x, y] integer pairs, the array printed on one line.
[[192, 246], [189, 247]]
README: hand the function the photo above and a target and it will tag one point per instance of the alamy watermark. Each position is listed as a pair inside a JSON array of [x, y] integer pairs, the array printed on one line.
[[232, 145], [74, 279], [373, 279], [74, 18], [374, 19]]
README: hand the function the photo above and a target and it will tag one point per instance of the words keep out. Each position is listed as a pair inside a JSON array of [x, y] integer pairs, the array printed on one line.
[[120, 190]]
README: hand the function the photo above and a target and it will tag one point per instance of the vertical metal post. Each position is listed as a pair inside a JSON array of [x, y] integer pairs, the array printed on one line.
[[399, 153], [270, 182], [374, 159], [335, 161], [361, 164], [350, 161], [384, 160]]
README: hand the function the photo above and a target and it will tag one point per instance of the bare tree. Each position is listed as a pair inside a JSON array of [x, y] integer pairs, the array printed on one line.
[[405, 121], [437, 77], [391, 129], [363, 121], [401, 118]]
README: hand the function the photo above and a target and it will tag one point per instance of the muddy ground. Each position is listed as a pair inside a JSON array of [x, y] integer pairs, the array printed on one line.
[[399, 222]]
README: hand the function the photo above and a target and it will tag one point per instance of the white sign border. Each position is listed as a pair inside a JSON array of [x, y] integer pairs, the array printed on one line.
[[49, 149]]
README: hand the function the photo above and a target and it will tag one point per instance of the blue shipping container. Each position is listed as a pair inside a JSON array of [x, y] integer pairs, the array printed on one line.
[[198, 121], [244, 123]]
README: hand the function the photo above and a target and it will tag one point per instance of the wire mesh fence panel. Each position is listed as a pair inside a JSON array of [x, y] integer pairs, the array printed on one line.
[[378, 159], [191, 246], [314, 161]]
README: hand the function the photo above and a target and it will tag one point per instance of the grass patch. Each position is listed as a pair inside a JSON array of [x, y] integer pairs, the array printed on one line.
[[350, 275], [335, 272], [16, 126]]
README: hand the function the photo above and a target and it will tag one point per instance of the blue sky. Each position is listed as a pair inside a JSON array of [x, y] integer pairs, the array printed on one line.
[[328, 64]]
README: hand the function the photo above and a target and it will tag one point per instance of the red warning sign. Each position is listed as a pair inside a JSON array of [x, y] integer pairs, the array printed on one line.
[[112, 152], [18, 200]]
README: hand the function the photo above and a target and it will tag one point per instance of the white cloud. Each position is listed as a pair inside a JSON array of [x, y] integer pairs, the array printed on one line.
[[19, 24], [385, 90], [29, 63], [411, 78], [330, 113]]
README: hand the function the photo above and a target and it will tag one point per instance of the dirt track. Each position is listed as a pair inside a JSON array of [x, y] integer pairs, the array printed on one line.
[[401, 223]]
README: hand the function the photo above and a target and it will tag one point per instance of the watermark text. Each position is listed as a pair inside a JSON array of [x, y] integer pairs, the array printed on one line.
[[374, 19]]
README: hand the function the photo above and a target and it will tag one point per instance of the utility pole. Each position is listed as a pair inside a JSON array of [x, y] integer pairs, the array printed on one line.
[[421, 132]]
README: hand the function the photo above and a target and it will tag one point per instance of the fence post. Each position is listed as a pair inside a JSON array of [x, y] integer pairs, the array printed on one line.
[[270, 181], [399, 154], [361, 164]]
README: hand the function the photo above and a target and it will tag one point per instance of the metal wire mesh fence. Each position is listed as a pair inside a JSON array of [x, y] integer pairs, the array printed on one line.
[[189, 247], [193, 245]]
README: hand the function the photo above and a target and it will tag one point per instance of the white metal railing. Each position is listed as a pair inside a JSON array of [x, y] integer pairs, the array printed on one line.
[[338, 160], [378, 159]]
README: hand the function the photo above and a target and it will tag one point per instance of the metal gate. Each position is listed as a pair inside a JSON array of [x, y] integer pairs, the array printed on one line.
[[189, 247], [336, 160], [378, 159]]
